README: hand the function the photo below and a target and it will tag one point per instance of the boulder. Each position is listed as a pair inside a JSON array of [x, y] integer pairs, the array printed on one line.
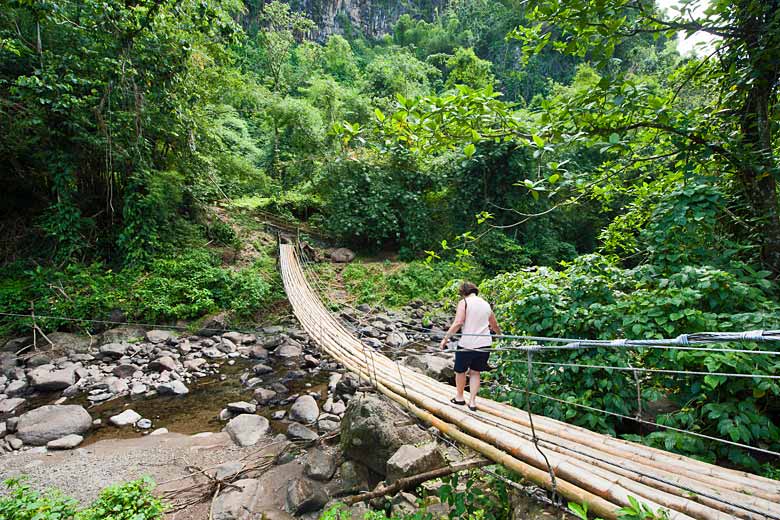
[[237, 502], [247, 429], [71, 343], [11, 406], [15, 388], [304, 410], [173, 388], [213, 353], [299, 432], [235, 337], [258, 352], [261, 369], [290, 350], [440, 368], [37, 360], [126, 418], [48, 380], [156, 337], [226, 470], [411, 460], [114, 350], [305, 496], [320, 465], [396, 339], [213, 325], [226, 346], [354, 477], [328, 422], [16, 344], [342, 255], [163, 363], [124, 370], [194, 364], [47, 423], [370, 434], [240, 407], [65, 443], [264, 395]]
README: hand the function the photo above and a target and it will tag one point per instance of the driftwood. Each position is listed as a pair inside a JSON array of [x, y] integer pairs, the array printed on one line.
[[597, 469], [415, 480]]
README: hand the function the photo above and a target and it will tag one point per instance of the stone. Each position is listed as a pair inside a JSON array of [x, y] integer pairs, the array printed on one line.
[[68, 342], [213, 353], [240, 407], [299, 432], [44, 379], [333, 380], [159, 431], [304, 410], [14, 442], [16, 388], [247, 429], [328, 422], [342, 255], [37, 360], [11, 406], [436, 367], [65, 443], [272, 342], [403, 505], [258, 352], [226, 470], [138, 389], [289, 351], [15, 344], [144, 424], [304, 496], [173, 388], [156, 337], [47, 423], [411, 460], [371, 433], [338, 407], [354, 477], [163, 363], [310, 361], [235, 337], [320, 465], [226, 346], [118, 386], [114, 350], [396, 339], [278, 415], [264, 395], [126, 418], [194, 364], [213, 324], [260, 369], [236, 502], [124, 370]]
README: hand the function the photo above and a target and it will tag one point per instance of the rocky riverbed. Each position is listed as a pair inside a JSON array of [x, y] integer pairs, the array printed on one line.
[[87, 412]]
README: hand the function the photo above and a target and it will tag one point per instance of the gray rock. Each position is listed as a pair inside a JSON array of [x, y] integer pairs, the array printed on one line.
[[237, 502], [212, 324], [138, 389], [234, 337], [226, 346], [14, 442], [304, 410], [123, 333], [278, 415], [440, 368], [51, 422], [264, 395], [397, 339], [14, 345], [126, 418], [16, 388], [10, 406], [163, 363], [333, 380], [305, 496], [258, 352], [240, 407], [370, 434], [194, 364], [118, 386], [158, 336], [67, 342], [289, 350], [114, 350], [226, 470], [247, 429], [411, 460], [144, 424], [37, 360], [172, 388], [262, 369], [159, 431], [299, 432], [213, 353], [320, 465], [354, 477], [124, 370], [328, 422], [342, 255], [42, 378], [65, 443]]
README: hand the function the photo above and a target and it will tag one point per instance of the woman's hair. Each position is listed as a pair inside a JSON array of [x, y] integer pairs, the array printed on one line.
[[467, 288]]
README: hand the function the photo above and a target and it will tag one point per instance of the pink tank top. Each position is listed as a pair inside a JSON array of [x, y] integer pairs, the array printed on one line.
[[477, 313]]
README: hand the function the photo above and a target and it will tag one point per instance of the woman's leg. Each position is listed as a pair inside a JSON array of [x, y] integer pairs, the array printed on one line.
[[460, 384], [473, 386]]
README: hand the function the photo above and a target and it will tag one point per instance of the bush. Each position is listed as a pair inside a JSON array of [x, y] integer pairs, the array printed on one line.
[[129, 501]]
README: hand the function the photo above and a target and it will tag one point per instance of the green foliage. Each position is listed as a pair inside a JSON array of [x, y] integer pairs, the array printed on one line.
[[465, 68], [395, 286], [129, 501]]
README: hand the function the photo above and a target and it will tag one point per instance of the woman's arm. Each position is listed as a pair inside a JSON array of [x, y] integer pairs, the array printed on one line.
[[460, 319], [494, 324]]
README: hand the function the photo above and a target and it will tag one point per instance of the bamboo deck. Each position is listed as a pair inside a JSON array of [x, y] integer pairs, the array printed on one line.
[[591, 468]]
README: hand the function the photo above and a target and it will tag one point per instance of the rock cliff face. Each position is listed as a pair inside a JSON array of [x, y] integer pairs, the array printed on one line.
[[373, 18]]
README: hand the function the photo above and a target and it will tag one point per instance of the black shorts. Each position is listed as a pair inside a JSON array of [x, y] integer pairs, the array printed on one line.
[[471, 359]]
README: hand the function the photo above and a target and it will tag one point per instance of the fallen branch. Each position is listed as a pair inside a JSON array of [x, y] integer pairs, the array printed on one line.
[[415, 480]]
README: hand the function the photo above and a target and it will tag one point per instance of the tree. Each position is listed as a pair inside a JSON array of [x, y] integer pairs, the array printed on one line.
[[281, 29], [465, 68], [738, 127]]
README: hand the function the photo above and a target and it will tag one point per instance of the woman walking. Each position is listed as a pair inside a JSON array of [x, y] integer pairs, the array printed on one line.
[[476, 319]]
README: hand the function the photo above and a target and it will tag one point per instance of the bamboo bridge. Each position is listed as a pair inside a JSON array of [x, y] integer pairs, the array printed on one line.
[[580, 465]]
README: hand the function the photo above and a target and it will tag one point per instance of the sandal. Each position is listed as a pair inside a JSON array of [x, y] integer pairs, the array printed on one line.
[[455, 401], [473, 408]]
